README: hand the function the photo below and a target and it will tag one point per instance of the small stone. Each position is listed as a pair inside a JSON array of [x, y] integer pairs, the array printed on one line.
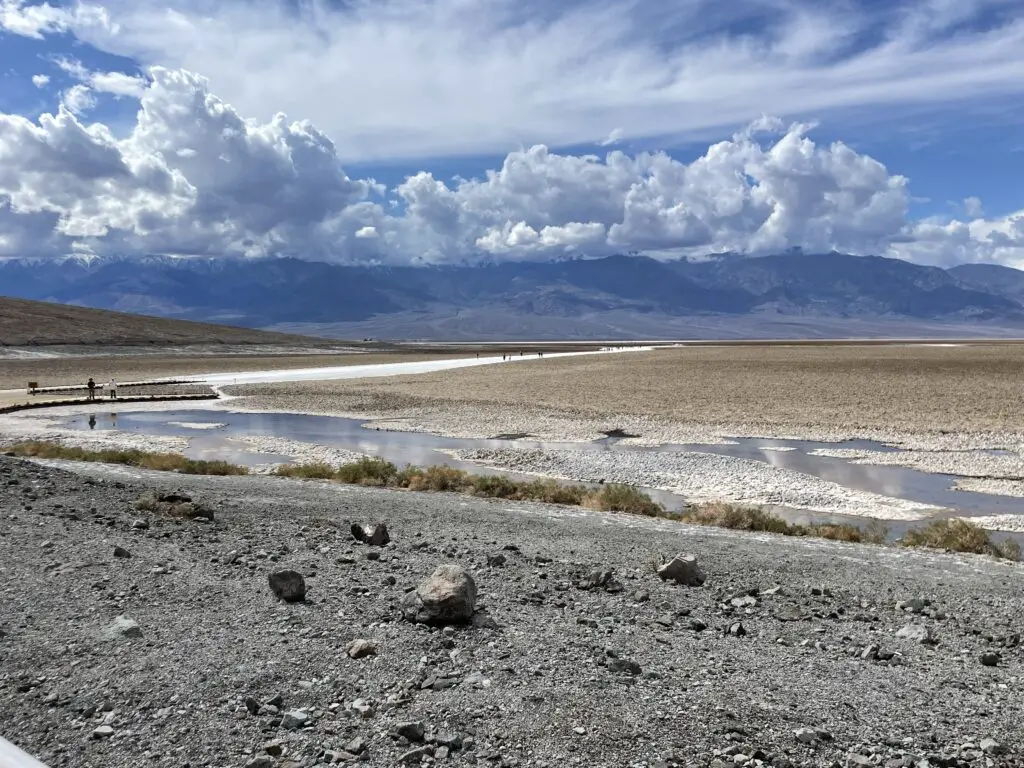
[[697, 625], [261, 761], [356, 746], [448, 596], [991, 747], [274, 748], [441, 753], [123, 626], [359, 649], [252, 705], [363, 707], [579, 730], [664, 620], [496, 560], [121, 552], [683, 569], [376, 536], [737, 630], [991, 658], [914, 605], [450, 740], [140, 525], [416, 755], [623, 666], [641, 596], [103, 732], [288, 586], [918, 633], [294, 719], [414, 731], [277, 700], [806, 735]]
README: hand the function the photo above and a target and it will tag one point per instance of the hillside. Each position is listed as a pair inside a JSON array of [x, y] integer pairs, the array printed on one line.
[[787, 295], [32, 323]]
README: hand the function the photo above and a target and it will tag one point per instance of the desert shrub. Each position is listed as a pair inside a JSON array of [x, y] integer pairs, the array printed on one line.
[[736, 517], [147, 502], [164, 462], [959, 536], [367, 471], [315, 471], [553, 492], [495, 486], [625, 498], [437, 478], [740, 518], [1010, 549]]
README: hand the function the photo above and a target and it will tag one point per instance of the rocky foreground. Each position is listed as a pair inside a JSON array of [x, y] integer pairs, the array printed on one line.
[[276, 635]]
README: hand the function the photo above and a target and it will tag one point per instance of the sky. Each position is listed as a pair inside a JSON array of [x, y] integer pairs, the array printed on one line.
[[467, 131]]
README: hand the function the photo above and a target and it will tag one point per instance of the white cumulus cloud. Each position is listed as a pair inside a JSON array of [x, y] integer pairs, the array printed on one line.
[[195, 176], [40, 81]]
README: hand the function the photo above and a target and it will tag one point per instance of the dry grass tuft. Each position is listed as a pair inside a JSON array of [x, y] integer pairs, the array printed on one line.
[[162, 462], [740, 518], [958, 535]]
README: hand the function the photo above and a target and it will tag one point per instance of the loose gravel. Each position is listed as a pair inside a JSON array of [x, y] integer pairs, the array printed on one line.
[[578, 653]]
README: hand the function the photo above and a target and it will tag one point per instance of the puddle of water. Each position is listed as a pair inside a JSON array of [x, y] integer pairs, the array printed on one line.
[[425, 449]]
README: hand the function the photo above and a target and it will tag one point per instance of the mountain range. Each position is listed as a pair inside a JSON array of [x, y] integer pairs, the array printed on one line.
[[627, 296]]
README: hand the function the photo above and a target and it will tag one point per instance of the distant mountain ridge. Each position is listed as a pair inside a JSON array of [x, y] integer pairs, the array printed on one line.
[[624, 294]]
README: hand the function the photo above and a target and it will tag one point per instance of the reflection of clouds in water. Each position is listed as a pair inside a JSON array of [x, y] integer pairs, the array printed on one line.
[[192, 424]]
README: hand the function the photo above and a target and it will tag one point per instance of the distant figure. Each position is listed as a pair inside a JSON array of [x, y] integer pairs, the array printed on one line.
[[113, 420], [520, 353], [477, 355], [92, 421], [92, 388], [113, 389]]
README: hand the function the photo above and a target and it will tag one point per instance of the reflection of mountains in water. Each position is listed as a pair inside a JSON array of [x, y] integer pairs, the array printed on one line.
[[793, 294]]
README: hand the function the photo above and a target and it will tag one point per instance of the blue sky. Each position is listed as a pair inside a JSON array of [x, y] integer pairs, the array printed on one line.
[[415, 93]]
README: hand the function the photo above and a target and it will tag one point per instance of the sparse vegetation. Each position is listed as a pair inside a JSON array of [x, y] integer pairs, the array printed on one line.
[[380, 473], [162, 462], [960, 536], [625, 498], [740, 518]]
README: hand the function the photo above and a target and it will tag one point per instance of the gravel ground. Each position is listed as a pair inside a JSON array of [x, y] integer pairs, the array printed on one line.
[[800, 662], [705, 477]]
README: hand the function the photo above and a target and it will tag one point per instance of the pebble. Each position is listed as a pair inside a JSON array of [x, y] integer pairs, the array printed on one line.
[[359, 649]]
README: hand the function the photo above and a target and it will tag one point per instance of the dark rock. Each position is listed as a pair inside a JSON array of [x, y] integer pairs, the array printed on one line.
[[448, 596], [414, 731], [288, 586], [496, 560], [623, 666], [416, 755], [121, 552], [252, 705], [683, 569], [991, 658], [376, 535]]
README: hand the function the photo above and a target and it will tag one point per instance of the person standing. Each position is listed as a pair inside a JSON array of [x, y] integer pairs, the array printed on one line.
[[92, 388], [113, 389]]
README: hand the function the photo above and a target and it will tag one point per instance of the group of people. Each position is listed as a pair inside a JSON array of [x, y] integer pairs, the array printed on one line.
[[92, 387]]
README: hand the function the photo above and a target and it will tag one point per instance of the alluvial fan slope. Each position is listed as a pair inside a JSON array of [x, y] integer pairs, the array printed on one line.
[[132, 637]]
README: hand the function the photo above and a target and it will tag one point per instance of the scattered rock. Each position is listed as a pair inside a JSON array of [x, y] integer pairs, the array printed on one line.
[[683, 569], [448, 596], [737, 630], [293, 719], [414, 731], [273, 748], [623, 667], [416, 755], [991, 658], [140, 525], [496, 560], [359, 649], [376, 535], [288, 586], [356, 746], [363, 707], [918, 633], [121, 552], [103, 732], [991, 747], [260, 761], [123, 627]]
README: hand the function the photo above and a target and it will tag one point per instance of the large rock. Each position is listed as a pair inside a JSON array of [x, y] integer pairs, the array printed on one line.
[[123, 627], [375, 536], [918, 633], [288, 585], [683, 569], [447, 597]]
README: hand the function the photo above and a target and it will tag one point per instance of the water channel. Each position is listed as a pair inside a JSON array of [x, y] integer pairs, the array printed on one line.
[[423, 449]]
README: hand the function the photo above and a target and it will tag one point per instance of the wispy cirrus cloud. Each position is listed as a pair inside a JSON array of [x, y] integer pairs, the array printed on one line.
[[416, 78]]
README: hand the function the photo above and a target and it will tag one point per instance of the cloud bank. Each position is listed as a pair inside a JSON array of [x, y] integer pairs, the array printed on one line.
[[194, 177]]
